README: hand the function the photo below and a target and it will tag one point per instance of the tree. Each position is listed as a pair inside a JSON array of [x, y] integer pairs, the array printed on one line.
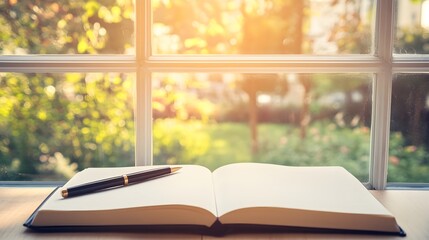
[[254, 84], [202, 29]]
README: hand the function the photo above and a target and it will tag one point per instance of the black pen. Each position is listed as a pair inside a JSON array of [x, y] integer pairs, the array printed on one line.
[[117, 181]]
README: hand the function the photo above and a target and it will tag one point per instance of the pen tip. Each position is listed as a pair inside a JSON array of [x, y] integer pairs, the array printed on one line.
[[64, 193], [174, 169]]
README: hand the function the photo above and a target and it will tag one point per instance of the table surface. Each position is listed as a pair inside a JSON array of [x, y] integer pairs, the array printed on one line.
[[410, 207]]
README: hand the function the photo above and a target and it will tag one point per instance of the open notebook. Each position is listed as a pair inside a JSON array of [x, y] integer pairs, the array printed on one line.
[[242, 194]]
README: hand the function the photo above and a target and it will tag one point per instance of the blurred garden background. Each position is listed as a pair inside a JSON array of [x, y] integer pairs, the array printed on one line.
[[55, 124]]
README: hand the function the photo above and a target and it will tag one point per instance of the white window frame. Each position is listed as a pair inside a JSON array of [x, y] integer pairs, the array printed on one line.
[[383, 64]]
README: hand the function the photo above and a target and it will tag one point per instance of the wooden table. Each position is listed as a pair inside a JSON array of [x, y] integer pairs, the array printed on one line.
[[410, 207]]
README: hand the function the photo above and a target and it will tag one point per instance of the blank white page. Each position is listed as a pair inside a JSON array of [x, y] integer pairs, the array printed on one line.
[[327, 189]]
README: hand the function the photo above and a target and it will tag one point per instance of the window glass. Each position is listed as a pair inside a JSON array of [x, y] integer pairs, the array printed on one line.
[[66, 27], [412, 27], [53, 125], [409, 133], [262, 27], [213, 119]]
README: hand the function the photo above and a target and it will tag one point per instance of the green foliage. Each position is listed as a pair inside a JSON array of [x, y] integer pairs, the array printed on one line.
[[201, 25], [214, 145], [407, 163], [325, 145], [55, 124], [414, 40], [178, 99], [351, 33], [192, 142], [65, 27]]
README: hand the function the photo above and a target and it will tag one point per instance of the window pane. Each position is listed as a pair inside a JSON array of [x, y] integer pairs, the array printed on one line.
[[412, 27], [214, 119], [52, 125], [66, 27], [262, 27], [409, 133]]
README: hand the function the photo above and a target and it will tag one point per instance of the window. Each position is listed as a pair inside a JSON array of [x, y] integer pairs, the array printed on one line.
[[115, 83]]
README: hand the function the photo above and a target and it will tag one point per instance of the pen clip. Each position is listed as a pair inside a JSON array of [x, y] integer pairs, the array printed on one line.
[[125, 179]]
